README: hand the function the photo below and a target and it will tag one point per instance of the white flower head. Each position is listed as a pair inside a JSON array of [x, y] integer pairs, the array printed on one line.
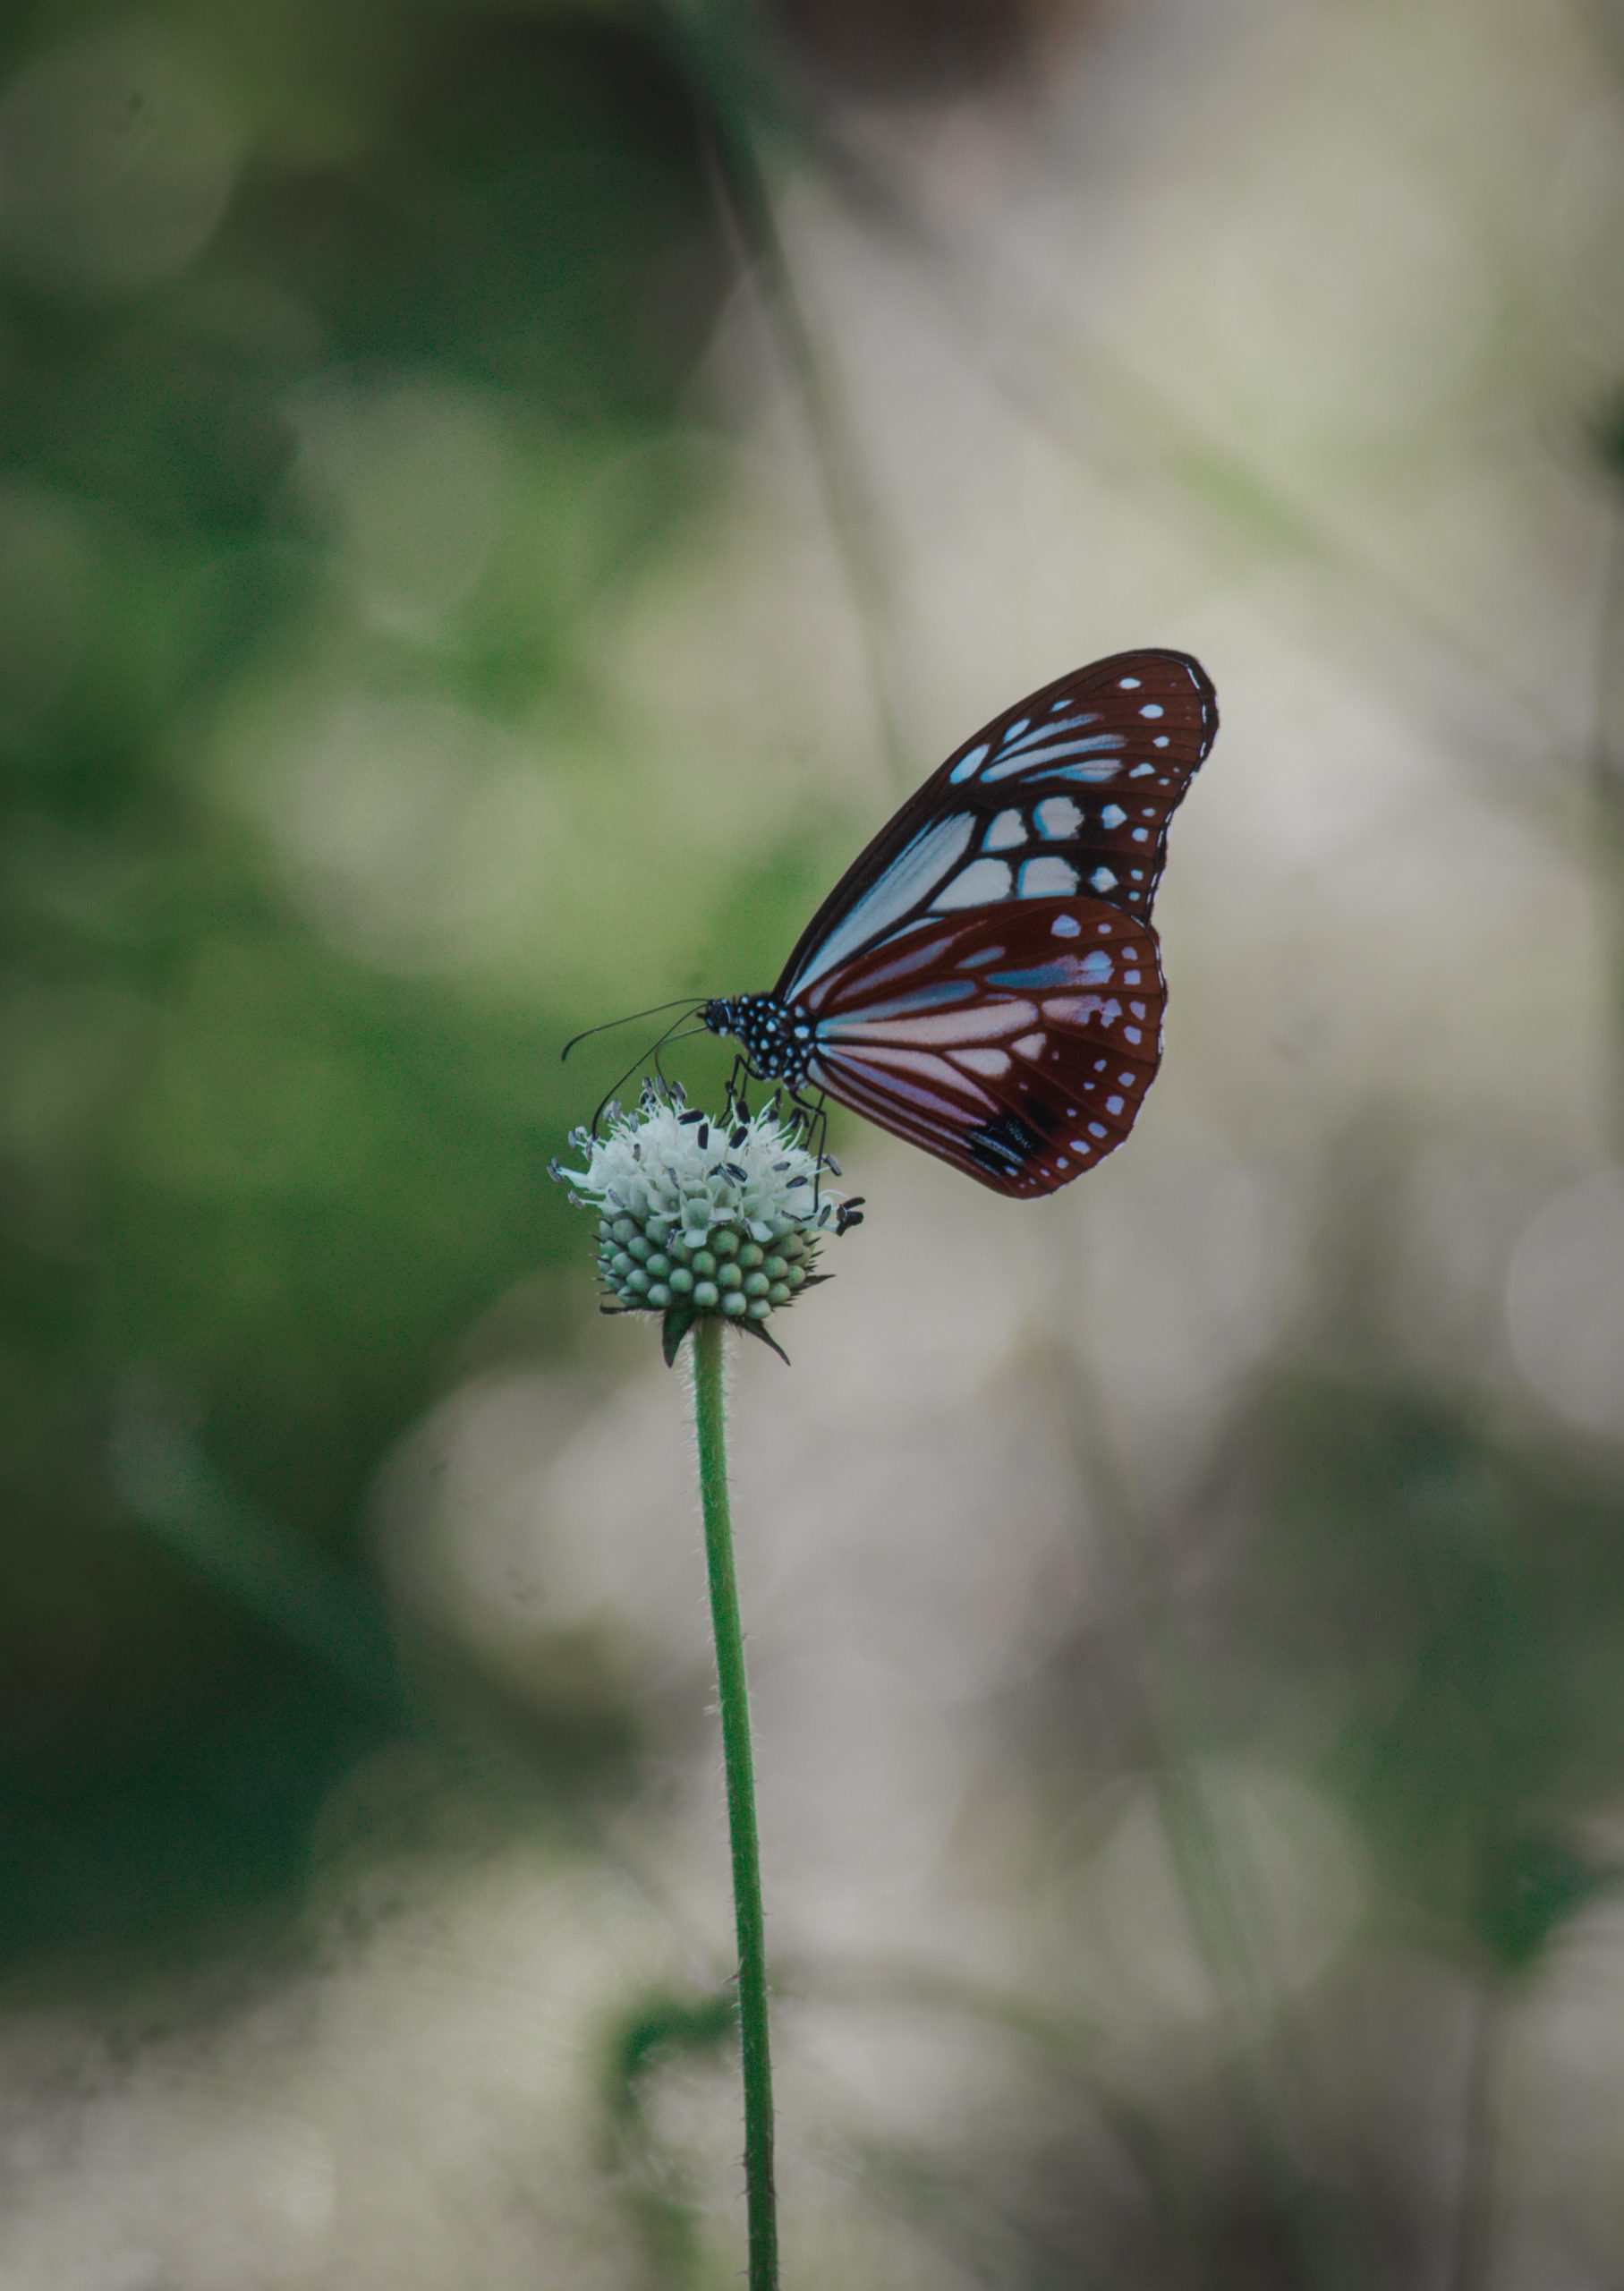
[[700, 1214]]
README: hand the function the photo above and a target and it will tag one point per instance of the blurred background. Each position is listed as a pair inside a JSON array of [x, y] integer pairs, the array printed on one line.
[[498, 504]]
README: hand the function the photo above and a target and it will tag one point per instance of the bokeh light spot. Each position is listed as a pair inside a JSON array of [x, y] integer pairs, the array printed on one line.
[[116, 160], [1565, 1302]]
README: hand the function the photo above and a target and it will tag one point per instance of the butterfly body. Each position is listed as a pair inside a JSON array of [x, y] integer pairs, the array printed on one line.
[[778, 1041], [984, 979]]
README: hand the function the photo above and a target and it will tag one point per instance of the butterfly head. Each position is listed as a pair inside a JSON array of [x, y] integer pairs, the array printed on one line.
[[777, 1039]]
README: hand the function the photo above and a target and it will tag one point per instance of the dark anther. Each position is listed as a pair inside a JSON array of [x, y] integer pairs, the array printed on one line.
[[739, 1176], [777, 1168], [830, 1162], [691, 1116], [740, 1134], [704, 1136]]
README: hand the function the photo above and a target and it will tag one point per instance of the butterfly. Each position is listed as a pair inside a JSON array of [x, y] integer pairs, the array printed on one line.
[[984, 979]]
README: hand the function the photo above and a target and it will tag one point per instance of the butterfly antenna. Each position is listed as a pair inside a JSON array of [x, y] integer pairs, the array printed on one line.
[[651, 1053], [668, 1040], [685, 1001]]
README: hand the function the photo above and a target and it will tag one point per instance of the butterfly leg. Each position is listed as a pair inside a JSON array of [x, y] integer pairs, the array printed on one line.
[[737, 1082], [813, 1122]]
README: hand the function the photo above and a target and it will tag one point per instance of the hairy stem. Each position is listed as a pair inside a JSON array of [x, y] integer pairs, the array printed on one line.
[[710, 1425]]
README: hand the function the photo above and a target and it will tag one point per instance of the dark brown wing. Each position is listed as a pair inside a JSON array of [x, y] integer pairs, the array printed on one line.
[[1016, 1043], [1067, 793]]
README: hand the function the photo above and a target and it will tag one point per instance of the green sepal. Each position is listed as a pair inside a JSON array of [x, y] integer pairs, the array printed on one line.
[[680, 1319], [754, 1328]]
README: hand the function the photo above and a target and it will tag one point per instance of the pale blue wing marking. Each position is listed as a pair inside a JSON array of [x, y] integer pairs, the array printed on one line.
[[1096, 743], [1058, 818], [1050, 877], [1092, 775], [1032, 736], [1092, 969], [1007, 830], [968, 765], [982, 883], [903, 1006], [910, 877], [1111, 816]]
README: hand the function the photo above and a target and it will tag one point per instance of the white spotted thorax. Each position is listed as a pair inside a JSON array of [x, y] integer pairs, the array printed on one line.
[[701, 1216]]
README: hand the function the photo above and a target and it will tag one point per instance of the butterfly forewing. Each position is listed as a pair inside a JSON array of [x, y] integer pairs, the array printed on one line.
[[1016, 1044], [984, 980], [1067, 793]]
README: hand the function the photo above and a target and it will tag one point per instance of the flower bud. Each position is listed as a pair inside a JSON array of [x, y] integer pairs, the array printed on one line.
[[701, 1216]]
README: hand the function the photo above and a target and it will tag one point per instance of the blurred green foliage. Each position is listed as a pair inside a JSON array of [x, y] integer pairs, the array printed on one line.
[[254, 1186], [348, 365]]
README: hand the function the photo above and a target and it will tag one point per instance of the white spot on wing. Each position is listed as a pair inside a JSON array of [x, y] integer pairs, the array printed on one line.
[[1103, 879], [983, 1061], [1112, 816], [968, 765], [1066, 926], [1153, 708]]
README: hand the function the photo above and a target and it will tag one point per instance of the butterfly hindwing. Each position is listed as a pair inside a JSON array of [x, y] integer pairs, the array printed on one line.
[[1068, 794], [1016, 1043]]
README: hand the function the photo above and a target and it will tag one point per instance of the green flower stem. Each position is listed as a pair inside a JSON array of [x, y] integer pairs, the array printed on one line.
[[710, 1423]]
